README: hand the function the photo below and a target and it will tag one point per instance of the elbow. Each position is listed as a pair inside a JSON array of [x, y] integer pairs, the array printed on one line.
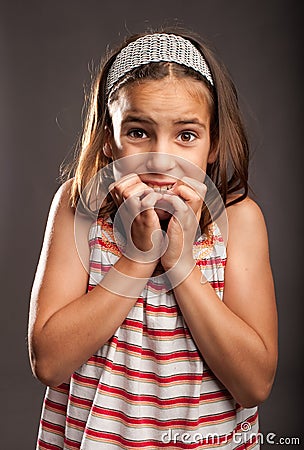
[[44, 372], [46, 378], [46, 366], [253, 399], [256, 395], [258, 388]]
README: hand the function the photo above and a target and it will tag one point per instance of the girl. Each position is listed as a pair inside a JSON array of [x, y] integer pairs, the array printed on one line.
[[169, 338]]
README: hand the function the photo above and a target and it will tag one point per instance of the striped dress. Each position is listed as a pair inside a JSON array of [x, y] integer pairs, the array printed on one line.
[[148, 387]]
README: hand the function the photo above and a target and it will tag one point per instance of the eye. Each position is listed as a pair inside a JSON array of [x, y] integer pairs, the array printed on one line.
[[187, 136], [137, 133]]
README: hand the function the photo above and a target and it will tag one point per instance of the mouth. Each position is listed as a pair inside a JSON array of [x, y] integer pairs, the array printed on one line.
[[163, 188]]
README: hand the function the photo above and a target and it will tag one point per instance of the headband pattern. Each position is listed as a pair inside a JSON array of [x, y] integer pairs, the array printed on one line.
[[157, 48]]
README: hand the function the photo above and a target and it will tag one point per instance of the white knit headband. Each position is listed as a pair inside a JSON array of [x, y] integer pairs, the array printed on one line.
[[157, 48]]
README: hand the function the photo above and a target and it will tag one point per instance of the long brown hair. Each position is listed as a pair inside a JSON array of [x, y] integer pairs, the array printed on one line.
[[229, 171]]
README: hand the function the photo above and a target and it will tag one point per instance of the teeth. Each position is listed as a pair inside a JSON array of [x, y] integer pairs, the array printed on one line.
[[160, 189]]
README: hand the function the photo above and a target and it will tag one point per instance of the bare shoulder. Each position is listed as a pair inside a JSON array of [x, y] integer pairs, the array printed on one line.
[[246, 224], [65, 188], [245, 210], [59, 232], [61, 199]]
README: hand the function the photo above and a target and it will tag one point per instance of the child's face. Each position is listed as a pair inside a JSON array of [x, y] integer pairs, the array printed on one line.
[[168, 121]]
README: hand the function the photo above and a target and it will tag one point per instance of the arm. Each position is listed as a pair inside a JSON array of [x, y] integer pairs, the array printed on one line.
[[66, 324], [237, 337]]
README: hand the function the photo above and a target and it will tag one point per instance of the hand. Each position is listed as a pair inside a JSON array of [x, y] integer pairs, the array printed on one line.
[[186, 202], [136, 203]]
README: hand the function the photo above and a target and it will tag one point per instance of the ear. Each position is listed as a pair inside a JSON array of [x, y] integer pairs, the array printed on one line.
[[107, 150], [107, 146]]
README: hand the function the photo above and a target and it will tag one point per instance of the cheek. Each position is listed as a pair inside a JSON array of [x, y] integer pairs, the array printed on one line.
[[126, 163], [199, 160]]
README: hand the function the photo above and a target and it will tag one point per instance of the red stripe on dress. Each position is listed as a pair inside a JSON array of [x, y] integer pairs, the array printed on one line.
[[62, 388], [42, 445], [140, 398], [76, 423], [163, 309], [158, 356], [70, 444], [155, 332], [90, 382], [53, 427], [162, 424], [217, 285], [80, 402], [54, 406], [170, 379], [165, 333], [210, 262]]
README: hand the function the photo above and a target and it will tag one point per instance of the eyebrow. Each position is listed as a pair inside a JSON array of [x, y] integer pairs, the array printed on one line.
[[194, 121], [143, 119], [138, 119]]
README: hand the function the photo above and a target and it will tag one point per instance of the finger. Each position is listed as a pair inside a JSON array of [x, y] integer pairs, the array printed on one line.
[[138, 190], [129, 209], [183, 214], [130, 185], [178, 205], [138, 202], [127, 180], [188, 194], [197, 186], [149, 200], [191, 198], [116, 187]]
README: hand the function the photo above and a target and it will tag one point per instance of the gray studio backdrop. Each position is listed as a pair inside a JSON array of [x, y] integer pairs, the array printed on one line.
[[46, 48]]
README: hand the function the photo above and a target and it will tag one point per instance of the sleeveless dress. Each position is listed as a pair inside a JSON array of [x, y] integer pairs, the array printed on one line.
[[148, 387]]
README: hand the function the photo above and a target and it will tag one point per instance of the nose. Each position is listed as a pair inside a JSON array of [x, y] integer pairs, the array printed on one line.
[[160, 162]]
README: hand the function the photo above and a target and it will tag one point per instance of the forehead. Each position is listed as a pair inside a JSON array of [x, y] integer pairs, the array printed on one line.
[[169, 94]]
